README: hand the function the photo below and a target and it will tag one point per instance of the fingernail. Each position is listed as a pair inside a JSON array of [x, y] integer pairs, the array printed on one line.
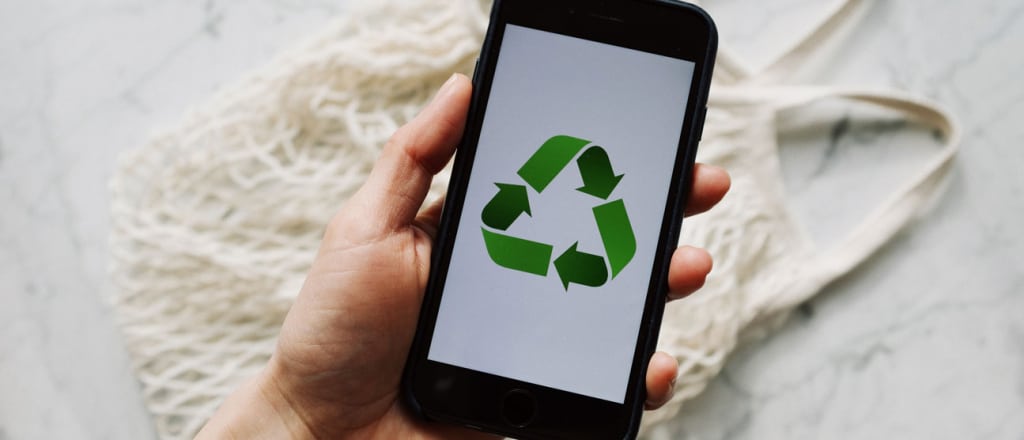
[[445, 90], [448, 84]]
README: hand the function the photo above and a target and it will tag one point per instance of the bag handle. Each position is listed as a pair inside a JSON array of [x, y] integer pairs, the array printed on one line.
[[895, 212], [835, 25]]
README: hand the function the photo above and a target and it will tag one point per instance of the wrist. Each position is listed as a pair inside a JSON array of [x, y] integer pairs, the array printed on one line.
[[256, 410]]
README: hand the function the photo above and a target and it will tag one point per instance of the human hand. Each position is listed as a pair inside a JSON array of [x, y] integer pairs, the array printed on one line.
[[343, 345]]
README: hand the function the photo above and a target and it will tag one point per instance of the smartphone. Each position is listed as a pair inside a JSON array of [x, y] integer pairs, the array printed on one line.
[[549, 271]]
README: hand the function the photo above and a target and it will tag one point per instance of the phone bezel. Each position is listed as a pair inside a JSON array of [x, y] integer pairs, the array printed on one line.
[[472, 398]]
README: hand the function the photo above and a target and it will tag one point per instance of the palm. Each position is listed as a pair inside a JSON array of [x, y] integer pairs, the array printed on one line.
[[349, 352]]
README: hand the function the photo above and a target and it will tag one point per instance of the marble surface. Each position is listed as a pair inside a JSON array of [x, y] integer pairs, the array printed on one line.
[[925, 341]]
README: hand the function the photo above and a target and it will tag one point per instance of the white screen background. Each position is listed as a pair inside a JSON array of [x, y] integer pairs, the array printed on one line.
[[528, 327]]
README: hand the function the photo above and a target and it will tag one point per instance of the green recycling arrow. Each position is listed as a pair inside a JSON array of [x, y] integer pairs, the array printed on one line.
[[506, 206], [549, 160], [573, 266], [518, 254], [616, 234], [581, 268], [596, 170]]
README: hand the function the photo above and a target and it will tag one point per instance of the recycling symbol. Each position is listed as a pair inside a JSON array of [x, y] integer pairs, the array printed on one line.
[[572, 265]]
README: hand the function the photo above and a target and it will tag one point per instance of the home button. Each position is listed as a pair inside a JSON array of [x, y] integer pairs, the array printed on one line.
[[518, 408]]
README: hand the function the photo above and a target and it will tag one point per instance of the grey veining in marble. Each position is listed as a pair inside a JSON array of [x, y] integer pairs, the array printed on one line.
[[925, 341], [81, 82]]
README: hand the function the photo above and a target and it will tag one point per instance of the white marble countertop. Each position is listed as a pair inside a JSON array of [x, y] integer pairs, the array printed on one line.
[[925, 341]]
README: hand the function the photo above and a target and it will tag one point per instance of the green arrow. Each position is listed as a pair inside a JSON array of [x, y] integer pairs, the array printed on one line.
[[506, 206], [581, 268], [549, 160], [596, 170], [616, 234], [517, 253]]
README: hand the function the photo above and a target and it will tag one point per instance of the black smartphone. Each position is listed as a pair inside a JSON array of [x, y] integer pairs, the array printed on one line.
[[549, 272]]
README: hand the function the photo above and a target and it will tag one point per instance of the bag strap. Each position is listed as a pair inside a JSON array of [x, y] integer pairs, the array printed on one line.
[[907, 201], [805, 52]]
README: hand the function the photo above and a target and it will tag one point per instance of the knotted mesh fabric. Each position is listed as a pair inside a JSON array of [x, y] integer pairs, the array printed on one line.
[[216, 220]]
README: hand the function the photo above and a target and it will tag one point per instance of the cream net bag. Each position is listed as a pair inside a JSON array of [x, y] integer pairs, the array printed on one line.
[[216, 221]]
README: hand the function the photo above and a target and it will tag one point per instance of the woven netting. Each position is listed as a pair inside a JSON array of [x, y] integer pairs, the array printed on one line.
[[216, 221]]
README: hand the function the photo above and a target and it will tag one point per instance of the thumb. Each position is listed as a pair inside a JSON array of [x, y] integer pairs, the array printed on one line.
[[395, 189]]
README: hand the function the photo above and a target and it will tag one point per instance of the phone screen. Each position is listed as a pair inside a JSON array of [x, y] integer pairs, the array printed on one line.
[[553, 255]]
